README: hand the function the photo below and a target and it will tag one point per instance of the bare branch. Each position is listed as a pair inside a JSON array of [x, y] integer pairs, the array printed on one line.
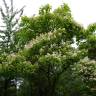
[[2, 13], [12, 7], [6, 6]]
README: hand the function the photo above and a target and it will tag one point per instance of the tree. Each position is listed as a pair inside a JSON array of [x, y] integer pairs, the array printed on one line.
[[47, 39], [51, 50], [7, 33], [10, 26]]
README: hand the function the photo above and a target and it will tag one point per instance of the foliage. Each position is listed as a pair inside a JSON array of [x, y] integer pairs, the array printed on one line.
[[48, 21], [46, 64]]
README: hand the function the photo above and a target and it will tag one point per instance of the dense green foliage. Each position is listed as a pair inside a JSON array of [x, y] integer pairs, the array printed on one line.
[[44, 62]]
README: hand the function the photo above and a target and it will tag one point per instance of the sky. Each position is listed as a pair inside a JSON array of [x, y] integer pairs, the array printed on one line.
[[83, 11]]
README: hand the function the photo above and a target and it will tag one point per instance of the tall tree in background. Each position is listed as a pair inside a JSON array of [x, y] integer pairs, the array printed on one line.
[[10, 25]]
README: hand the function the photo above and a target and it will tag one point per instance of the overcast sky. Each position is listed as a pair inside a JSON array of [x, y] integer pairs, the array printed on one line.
[[83, 11]]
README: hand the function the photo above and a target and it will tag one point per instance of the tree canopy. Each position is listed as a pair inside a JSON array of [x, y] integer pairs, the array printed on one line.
[[44, 62]]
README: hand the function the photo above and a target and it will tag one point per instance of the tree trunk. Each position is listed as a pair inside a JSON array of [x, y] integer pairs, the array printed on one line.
[[6, 87]]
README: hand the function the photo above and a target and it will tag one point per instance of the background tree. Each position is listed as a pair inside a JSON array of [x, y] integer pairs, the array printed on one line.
[[10, 26]]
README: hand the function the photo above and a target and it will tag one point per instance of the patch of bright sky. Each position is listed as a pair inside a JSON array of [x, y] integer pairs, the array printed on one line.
[[83, 11]]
